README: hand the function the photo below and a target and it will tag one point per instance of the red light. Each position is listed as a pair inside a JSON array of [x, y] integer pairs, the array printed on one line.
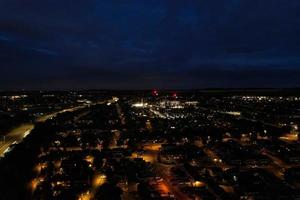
[[174, 95], [155, 93]]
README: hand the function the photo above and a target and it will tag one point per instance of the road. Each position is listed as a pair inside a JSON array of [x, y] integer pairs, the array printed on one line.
[[121, 114], [16, 135], [150, 155]]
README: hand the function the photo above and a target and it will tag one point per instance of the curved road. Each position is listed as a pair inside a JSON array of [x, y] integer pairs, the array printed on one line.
[[16, 135]]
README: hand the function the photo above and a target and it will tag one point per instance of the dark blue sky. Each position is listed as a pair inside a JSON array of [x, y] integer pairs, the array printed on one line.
[[137, 44]]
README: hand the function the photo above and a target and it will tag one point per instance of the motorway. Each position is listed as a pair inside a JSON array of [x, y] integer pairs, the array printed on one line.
[[16, 135]]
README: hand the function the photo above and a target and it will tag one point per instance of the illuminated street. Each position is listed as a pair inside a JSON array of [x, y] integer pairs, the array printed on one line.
[[16, 135], [156, 147]]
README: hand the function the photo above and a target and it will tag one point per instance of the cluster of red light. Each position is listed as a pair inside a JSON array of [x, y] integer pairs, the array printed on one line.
[[155, 93]]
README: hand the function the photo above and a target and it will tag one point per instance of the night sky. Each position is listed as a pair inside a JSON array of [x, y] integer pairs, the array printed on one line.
[[144, 44]]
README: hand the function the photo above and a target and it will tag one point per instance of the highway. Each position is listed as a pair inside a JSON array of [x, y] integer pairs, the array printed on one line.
[[16, 135]]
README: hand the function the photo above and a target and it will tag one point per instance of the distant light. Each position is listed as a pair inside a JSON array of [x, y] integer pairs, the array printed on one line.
[[235, 178], [198, 184], [296, 127], [139, 105], [99, 180], [115, 99], [234, 113], [27, 133], [155, 92], [85, 196]]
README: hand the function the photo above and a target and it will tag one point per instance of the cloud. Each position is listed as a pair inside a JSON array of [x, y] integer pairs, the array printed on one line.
[[148, 43]]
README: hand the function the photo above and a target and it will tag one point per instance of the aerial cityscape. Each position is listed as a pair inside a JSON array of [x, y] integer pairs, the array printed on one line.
[[205, 144], [149, 100]]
